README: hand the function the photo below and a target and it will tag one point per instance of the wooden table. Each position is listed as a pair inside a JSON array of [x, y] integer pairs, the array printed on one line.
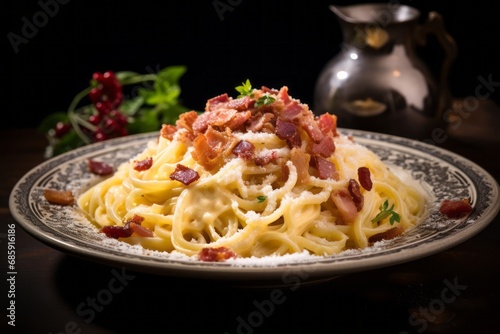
[[455, 291]]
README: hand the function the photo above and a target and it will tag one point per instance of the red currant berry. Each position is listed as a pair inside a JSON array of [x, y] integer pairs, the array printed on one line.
[[95, 95], [61, 129], [99, 135], [98, 76], [103, 107], [94, 119]]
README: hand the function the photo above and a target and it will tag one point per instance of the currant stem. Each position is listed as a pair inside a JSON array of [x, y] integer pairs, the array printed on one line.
[[75, 120]]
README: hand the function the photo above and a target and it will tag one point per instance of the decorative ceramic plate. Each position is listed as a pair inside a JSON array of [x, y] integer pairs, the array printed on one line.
[[446, 174]]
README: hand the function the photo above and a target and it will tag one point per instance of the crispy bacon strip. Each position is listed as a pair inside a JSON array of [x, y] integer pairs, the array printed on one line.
[[325, 147], [99, 167], [168, 131], [328, 123], [212, 147], [244, 149], [454, 209], [365, 178], [186, 120], [217, 101], [389, 234], [184, 174], [115, 231], [143, 165], [300, 160], [59, 197], [140, 230], [259, 120], [356, 194], [289, 132], [344, 203], [326, 169], [219, 254]]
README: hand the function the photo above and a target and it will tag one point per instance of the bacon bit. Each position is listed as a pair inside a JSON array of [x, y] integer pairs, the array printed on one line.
[[136, 219], [143, 165], [326, 169], [99, 167], [219, 254], [263, 160], [265, 89], [283, 95], [184, 174], [365, 178], [386, 235], [140, 230], [258, 121], [59, 197], [345, 204], [115, 231], [454, 209], [238, 119], [186, 120], [356, 194], [168, 131], [244, 149], [289, 132], [325, 148], [202, 122], [300, 160], [308, 123], [328, 123], [241, 104], [213, 103], [292, 111], [211, 148]]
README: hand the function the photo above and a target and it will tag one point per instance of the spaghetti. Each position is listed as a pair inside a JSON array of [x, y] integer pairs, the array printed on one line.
[[257, 175]]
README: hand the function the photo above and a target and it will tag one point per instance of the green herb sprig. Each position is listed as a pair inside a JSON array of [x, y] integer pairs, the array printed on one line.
[[151, 100], [261, 199], [264, 100], [385, 212], [245, 89]]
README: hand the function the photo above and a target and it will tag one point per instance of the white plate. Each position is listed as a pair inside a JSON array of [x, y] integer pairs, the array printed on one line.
[[64, 228]]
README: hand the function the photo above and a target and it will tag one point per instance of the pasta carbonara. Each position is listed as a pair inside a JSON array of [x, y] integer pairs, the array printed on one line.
[[254, 175]]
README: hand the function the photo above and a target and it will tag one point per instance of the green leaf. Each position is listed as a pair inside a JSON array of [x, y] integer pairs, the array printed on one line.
[[171, 74], [245, 89], [261, 199], [380, 216], [147, 122], [385, 212], [264, 100], [69, 141], [394, 218], [132, 106], [170, 113]]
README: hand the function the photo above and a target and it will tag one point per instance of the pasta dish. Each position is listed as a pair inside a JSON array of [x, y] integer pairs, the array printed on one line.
[[255, 175]]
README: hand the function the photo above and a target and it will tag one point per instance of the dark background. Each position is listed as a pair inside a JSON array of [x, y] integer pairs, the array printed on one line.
[[273, 43]]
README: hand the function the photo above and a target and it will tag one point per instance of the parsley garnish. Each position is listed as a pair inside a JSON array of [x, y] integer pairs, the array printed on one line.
[[261, 198], [266, 99], [245, 89], [385, 212]]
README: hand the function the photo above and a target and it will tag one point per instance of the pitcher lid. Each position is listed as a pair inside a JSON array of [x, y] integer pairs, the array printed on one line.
[[382, 13]]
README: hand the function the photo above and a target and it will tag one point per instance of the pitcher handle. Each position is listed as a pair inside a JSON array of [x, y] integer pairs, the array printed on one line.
[[435, 25]]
